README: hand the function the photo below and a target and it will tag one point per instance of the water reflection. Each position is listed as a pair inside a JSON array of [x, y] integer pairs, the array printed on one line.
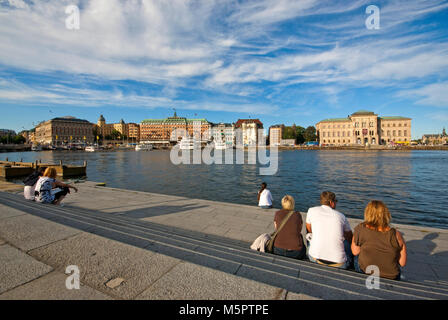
[[412, 184]]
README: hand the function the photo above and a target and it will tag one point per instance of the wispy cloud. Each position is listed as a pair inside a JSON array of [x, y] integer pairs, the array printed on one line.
[[240, 56]]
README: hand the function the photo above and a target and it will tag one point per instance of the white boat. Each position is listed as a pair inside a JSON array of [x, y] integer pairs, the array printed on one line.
[[143, 147], [91, 149], [187, 144], [36, 147]]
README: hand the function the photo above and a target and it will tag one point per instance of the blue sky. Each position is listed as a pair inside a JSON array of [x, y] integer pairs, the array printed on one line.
[[281, 61]]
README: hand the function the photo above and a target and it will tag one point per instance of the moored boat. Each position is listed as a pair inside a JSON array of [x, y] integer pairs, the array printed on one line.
[[143, 147]]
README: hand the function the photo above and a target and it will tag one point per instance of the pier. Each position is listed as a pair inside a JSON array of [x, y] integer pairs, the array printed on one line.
[[17, 169], [140, 245]]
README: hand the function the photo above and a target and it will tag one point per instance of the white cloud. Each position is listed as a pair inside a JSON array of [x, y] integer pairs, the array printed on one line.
[[435, 94], [229, 47]]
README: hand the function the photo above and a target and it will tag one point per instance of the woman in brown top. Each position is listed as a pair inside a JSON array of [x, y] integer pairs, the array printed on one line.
[[376, 243], [289, 240]]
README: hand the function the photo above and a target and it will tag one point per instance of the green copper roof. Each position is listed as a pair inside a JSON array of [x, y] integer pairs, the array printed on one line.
[[336, 120], [394, 118], [362, 113]]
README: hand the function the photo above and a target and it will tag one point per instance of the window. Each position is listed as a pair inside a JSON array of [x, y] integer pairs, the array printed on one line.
[[399, 133], [405, 133], [393, 133]]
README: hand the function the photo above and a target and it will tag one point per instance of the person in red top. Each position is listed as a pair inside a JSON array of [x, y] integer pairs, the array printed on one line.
[[289, 241]]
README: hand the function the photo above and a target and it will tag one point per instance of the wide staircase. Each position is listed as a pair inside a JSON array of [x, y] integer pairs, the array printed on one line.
[[227, 255]]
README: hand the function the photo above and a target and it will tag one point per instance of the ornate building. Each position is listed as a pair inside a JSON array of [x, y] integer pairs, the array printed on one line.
[[64, 130], [275, 135], [174, 128], [223, 132], [364, 127], [435, 139], [247, 132]]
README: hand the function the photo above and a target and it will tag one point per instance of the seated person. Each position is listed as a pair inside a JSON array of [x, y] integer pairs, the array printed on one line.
[[289, 241], [45, 185], [331, 234], [264, 197], [376, 243], [30, 183]]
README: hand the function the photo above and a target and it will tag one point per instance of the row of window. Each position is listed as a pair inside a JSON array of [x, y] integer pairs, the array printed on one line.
[[363, 125], [393, 133], [335, 134]]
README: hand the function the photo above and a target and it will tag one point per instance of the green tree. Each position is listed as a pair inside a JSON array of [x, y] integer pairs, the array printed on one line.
[[310, 134], [18, 139], [300, 132]]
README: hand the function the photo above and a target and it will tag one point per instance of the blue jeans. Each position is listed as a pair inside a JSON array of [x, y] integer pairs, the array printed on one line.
[[348, 255], [265, 207], [296, 254]]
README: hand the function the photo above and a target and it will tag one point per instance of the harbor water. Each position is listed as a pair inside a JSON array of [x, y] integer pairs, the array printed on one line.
[[413, 184]]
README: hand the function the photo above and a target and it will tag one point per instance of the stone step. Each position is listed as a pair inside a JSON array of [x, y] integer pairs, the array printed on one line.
[[227, 255]]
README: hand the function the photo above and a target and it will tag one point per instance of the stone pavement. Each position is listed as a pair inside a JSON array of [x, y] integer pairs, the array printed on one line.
[[137, 245]]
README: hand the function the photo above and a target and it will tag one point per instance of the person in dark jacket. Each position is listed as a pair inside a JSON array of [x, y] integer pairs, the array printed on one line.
[[30, 183]]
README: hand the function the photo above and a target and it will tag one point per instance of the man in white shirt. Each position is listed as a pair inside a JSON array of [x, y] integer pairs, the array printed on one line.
[[264, 197], [331, 234]]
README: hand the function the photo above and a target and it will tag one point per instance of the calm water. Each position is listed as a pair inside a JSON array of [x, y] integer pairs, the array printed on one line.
[[413, 184]]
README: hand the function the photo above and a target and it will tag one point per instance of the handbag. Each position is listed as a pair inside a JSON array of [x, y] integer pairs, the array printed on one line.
[[270, 244]]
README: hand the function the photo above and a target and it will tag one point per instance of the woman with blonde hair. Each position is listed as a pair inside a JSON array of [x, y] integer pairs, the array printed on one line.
[[289, 241], [46, 184], [376, 243]]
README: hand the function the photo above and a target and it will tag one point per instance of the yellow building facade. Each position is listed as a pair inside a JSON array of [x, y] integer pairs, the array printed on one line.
[[364, 128]]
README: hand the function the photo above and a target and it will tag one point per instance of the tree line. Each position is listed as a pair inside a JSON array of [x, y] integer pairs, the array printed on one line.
[[12, 139], [299, 134]]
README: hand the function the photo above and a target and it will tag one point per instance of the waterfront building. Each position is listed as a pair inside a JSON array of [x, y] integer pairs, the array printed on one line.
[[28, 135], [435, 139], [275, 135], [134, 132], [223, 132], [103, 128], [172, 129], [364, 128], [64, 130], [7, 132], [247, 132], [106, 129], [121, 127]]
